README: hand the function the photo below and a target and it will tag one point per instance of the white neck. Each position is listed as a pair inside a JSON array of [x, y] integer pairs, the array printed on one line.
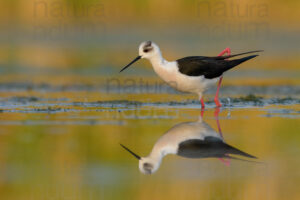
[[157, 60], [160, 150], [156, 155]]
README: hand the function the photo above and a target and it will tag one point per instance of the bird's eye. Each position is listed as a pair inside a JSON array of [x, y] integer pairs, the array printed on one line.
[[146, 50], [148, 166]]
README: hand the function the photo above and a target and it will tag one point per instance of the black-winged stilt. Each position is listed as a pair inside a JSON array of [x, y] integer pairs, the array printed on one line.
[[192, 74], [190, 140]]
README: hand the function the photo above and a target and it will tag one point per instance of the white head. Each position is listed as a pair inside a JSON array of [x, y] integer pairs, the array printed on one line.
[[147, 165], [147, 50]]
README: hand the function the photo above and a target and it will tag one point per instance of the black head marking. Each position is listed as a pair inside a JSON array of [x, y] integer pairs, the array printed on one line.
[[148, 44], [147, 47], [148, 167]]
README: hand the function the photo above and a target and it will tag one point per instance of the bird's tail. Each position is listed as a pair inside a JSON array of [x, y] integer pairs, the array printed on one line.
[[232, 150], [240, 159], [233, 63]]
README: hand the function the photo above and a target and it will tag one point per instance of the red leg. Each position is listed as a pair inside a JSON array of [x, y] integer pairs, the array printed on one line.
[[217, 101], [202, 113], [228, 51], [202, 103], [202, 106]]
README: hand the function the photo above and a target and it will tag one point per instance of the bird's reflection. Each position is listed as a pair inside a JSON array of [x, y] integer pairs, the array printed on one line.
[[190, 140]]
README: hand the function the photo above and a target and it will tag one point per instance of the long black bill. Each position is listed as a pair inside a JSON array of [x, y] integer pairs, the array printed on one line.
[[138, 157], [136, 59]]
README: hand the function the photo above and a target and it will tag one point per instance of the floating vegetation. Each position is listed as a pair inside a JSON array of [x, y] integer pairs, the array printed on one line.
[[287, 100], [251, 98], [40, 105], [110, 104], [22, 99], [49, 109]]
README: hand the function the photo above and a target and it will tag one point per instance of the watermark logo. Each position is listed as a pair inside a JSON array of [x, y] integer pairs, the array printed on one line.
[[57, 19], [131, 85], [230, 9], [233, 19]]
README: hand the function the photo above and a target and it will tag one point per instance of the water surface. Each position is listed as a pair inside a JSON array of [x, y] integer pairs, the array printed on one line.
[[61, 141]]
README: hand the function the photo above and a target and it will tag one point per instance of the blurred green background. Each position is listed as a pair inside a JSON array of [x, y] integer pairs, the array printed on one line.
[[101, 35]]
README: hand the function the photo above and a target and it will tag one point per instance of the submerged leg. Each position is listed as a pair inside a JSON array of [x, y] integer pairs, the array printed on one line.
[[228, 51], [225, 162], [202, 114], [217, 112]]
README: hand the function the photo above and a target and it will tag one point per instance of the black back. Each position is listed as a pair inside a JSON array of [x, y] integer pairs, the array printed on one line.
[[209, 67], [209, 147]]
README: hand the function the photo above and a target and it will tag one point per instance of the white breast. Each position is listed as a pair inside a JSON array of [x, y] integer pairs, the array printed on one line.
[[169, 72]]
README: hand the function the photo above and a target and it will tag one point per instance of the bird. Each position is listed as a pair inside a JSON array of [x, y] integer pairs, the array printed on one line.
[[193, 74], [190, 140]]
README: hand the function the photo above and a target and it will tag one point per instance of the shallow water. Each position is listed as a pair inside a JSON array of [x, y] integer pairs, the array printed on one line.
[[61, 141]]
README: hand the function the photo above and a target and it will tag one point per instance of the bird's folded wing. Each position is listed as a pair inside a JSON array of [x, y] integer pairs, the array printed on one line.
[[206, 66]]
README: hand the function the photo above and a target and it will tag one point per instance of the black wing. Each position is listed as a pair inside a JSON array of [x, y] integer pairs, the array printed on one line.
[[209, 67], [209, 147]]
